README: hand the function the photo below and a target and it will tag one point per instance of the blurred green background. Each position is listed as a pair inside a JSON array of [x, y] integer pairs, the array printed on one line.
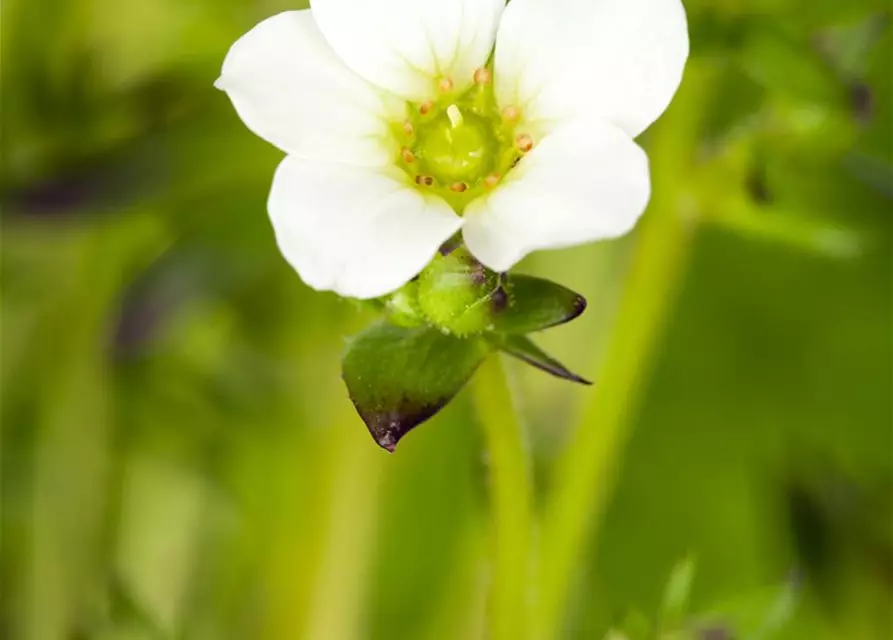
[[179, 456]]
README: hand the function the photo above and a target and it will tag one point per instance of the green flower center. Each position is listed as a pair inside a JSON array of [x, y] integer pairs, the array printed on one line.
[[456, 147], [460, 145]]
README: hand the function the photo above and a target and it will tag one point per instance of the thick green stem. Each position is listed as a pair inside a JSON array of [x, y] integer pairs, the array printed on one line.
[[511, 502], [584, 476]]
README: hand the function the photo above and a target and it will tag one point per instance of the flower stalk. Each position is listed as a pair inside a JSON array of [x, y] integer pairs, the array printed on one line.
[[511, 502], [585, 475]]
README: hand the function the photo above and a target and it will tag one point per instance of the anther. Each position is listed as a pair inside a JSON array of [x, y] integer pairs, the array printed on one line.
[[408, 156], [425, 107], [445, 85], [458, 187], [511, 114], [408, 128], [425, 181], [524, 142], [492, 180], [483, 76]]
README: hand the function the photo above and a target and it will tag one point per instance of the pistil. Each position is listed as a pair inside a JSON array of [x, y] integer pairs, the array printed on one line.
[[455, 116], [462, 145]]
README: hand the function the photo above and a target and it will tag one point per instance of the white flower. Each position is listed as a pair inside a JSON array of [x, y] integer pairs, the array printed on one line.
[[401, 131]]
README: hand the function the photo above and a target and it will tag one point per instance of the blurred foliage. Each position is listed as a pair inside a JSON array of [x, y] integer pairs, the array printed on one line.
[[180, 458]]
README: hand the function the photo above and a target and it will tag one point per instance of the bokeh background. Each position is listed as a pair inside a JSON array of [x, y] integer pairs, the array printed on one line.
[[180, 458]]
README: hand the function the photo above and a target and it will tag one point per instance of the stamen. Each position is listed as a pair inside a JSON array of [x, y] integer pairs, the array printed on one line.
[[524, 142], [511, 114], [408, 156], [454, 115], [483, 76], [445, 85], [408, 128], [458, 187], [425, 107], [424, 181], [492, 180]]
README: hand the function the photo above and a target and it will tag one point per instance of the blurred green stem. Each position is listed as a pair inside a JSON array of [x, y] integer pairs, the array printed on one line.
[[338, 599], [74, 427], [511, 502], [584, 475]]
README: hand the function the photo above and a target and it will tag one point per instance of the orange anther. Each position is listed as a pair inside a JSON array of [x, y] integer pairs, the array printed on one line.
[[524, 142], [483, 76], [511, 114]]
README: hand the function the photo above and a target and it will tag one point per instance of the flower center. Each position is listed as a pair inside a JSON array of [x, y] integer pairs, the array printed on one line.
[[456, 147], [461, 144]]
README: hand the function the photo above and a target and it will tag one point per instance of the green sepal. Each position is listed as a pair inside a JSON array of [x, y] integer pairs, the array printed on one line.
[[535, 304], [523, 348], [398, 377]]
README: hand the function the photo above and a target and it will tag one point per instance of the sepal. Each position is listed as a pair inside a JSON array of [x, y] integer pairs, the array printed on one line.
[[523, 348], [535, 304], [398, 377]]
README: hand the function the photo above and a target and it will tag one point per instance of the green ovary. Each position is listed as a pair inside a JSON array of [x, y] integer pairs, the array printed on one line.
[[457, 145], [457, 153]]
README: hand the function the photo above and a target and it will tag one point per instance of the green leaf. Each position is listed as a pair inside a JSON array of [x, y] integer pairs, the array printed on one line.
[[524, 349], [792, 229], [398, 377], [758, 615], [677, 594], [633, 625], [535, 304], [789, 67]]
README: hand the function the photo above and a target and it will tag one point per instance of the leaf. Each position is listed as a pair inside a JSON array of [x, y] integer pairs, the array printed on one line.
[[791, 229], [760, 614], [524, 349], [536, 304], [787, 66], [677, 594], [633, 625], [398, 377]]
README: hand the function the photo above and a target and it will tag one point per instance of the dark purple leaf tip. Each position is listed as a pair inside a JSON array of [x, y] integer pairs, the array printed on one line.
[[388, 427]]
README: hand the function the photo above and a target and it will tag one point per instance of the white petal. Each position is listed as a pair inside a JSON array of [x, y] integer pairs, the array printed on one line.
[[586, 181], [291, 89], [618, 59], [406, 46], [358, 231]]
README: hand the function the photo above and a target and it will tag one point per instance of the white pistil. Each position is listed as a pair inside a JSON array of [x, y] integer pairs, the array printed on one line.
[[454, 115]]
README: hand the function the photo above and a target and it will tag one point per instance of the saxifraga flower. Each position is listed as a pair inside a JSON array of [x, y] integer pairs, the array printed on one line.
[[407, 121]]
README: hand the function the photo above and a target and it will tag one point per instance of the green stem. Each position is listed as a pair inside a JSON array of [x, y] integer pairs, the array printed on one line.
[[585, 474], [511, 499], [346, 550]]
